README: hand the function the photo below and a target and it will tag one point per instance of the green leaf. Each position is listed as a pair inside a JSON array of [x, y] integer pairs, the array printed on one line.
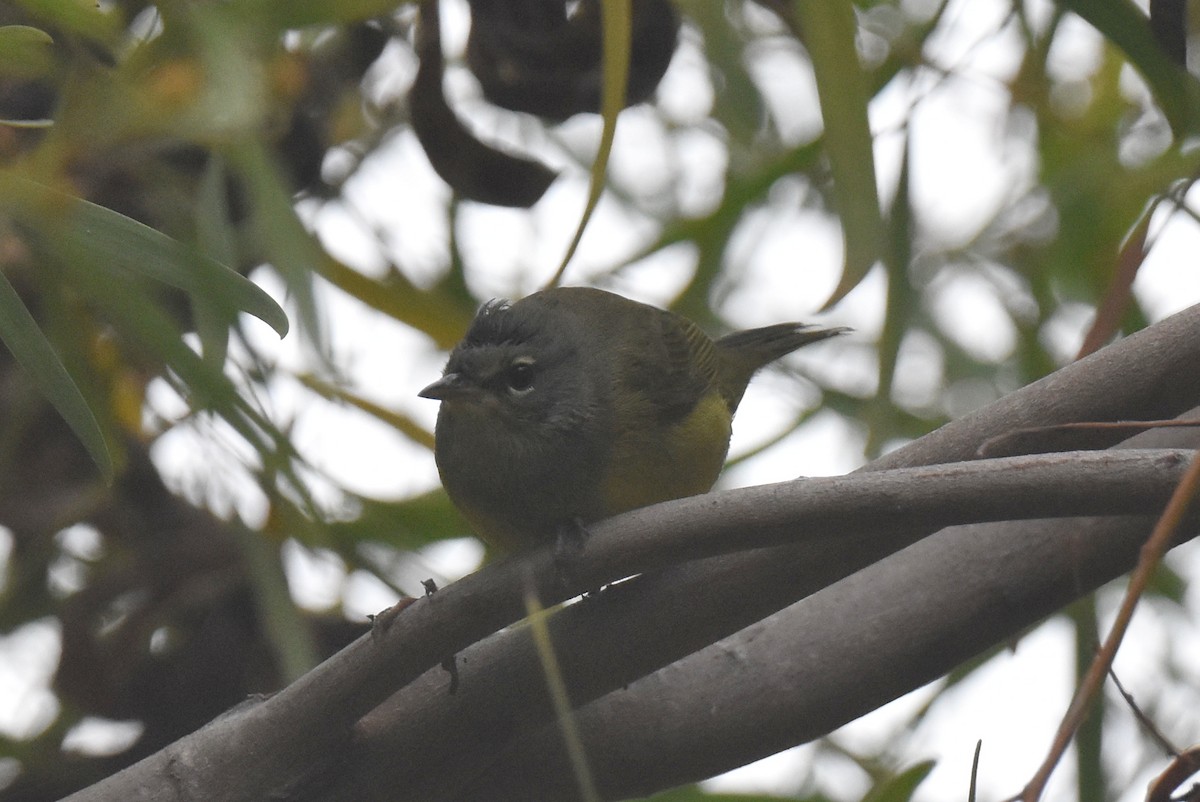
[[1125, 25], [84, 17], [290, 638], [101, 251], [901, 299], [617, 25], [408, 524], [125, 247], [142, 323], [214, 233], [292, 251], [738, 105], [397, 420], [24, 51], [22, 36], [129, 245], [442, 316], [20, 332], [843, 90], [901, 787]]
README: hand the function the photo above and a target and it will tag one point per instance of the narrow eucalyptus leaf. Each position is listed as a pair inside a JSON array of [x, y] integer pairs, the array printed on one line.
[[21, 334]]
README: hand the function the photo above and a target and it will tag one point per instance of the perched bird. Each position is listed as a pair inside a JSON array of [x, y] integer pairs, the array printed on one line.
[[574, 404]]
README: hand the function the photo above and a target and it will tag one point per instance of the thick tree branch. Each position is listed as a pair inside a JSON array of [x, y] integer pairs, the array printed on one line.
[[823, 662], [1149, 375], [640, 626], [1144, 376], [894, 503], [290, 741]]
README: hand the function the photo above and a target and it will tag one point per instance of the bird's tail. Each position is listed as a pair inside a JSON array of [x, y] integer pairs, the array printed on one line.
[[745, 352]]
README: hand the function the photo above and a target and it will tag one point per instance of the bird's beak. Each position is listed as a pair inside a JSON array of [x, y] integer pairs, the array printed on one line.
[[450, 386]]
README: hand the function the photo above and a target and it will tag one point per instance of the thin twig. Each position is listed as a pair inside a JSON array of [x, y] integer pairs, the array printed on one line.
[[1150, 556], [1157, 735], [1120, 290]]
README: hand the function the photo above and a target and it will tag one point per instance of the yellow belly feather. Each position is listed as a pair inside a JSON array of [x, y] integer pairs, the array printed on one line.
[[678, 461]]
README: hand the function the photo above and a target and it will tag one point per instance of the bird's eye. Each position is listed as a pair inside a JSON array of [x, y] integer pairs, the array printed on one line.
[[519, 376]]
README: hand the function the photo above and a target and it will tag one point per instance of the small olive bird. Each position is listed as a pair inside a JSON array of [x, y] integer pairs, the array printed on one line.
[[574, 404]]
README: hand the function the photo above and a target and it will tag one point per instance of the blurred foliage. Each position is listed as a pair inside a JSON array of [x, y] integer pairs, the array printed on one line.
[[162, 164]]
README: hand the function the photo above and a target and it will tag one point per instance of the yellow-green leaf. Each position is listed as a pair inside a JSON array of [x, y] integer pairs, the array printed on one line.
[[617, 23], [122, 245], [24, 51], [843, 90], [397, 420], [20, 332], [98, 22], [1125, 25]]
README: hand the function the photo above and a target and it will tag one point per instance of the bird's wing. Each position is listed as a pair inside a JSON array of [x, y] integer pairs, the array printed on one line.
[[671, 367]]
